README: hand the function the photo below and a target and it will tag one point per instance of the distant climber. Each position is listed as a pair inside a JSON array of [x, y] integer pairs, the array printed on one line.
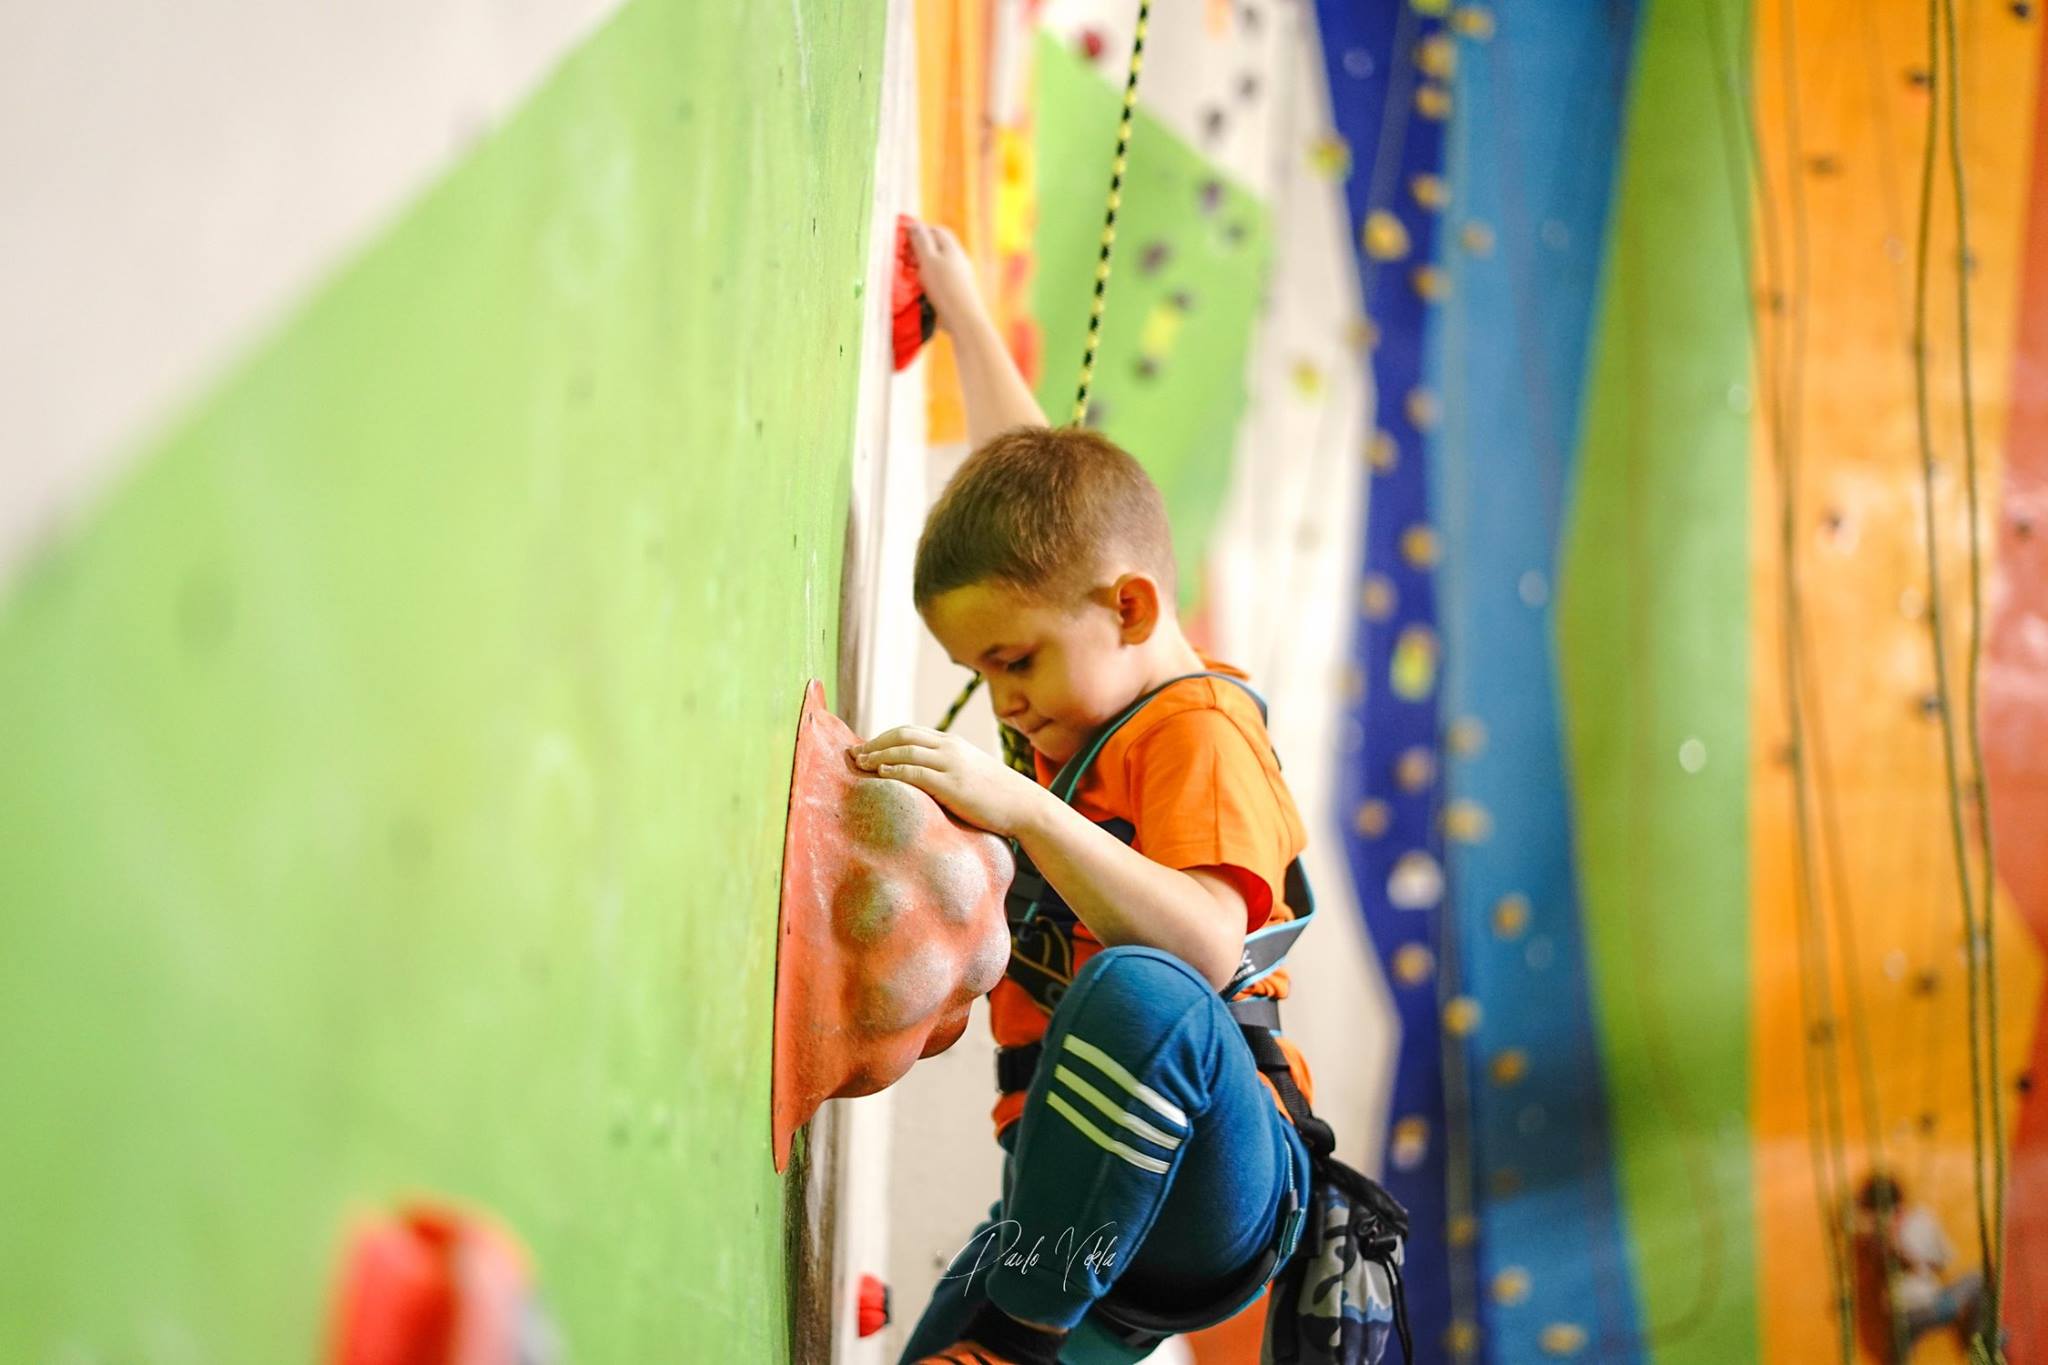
[[1904, 1258]]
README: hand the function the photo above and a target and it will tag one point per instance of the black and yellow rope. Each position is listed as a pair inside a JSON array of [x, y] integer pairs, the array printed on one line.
[[1116, 194]]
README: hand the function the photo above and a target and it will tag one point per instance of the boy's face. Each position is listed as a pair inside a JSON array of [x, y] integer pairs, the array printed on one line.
[[1057, 674]]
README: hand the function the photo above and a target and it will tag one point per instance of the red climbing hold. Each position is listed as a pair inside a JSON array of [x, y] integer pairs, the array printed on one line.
[[910, 311], [430, 1285], [874, 1305]]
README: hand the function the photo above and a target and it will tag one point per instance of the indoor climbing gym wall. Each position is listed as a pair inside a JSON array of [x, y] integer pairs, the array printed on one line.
[[444, 442], [1670, 818], [398, 728], [1228, 366]]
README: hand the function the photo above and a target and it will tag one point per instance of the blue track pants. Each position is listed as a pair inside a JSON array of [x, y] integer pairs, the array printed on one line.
[[1149, 1155]]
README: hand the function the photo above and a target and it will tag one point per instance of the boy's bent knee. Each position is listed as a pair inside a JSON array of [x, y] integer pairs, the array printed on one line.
[[1153, 971]]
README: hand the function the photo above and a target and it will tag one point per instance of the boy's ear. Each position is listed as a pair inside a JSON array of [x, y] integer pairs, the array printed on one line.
[[1137, 600]]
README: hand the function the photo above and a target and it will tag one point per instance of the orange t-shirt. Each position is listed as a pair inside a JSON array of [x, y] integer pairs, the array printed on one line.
[[1194, 774]]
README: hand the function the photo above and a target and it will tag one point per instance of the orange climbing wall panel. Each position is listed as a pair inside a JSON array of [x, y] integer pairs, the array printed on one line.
[[1885, 873], [956, 152]]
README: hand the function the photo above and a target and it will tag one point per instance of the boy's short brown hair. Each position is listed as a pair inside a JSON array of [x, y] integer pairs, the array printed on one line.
[[1040, 510]]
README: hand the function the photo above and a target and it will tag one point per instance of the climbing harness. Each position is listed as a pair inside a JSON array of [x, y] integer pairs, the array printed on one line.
[[1041, 924], [1348, 1231], [1016, 749]]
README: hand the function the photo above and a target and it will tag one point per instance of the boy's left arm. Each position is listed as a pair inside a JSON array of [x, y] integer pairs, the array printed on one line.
[[1125, 897], [1119, 893]]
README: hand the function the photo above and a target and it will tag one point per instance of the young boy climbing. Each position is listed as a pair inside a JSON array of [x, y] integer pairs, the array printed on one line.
[[1144, 1150]]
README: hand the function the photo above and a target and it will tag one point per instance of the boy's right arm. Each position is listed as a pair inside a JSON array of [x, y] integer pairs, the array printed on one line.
[[996, 396]]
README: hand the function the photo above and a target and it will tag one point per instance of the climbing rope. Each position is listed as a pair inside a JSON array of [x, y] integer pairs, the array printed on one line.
[[1780, 369], [1786, 375], [1926, 1024], [1994, 1273], [1016, 748], [1978, 946], [1922, 1023], [1116, 194]]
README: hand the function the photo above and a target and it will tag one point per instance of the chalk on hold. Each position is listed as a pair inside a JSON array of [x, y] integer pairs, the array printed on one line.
[[892, 923], [433, 1285]]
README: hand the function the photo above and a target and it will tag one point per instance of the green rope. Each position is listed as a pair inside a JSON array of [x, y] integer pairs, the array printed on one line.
[[1983, 1346], [1994, 1261], [1787, 404], [1780, 371]]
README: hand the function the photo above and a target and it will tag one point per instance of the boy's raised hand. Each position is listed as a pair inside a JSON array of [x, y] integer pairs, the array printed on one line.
[[947, 274], [968, 782]]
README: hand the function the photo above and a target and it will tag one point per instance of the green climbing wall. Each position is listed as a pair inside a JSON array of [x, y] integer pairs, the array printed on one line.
[[395, 762], [1190, 260], [1653, 651]]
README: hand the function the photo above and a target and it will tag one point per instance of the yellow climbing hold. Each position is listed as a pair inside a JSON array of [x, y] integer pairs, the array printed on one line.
[[1161, 328], [1410, 1144], [1384, 237], [1415, 769], [1462, 1016], [1467, 822], [1461, 1338], [1474, 22], [1477, 238], [1431, 7], [1511, 915], [1379, 452], [1376, 597], [1509, 1066], [1329, 156], [1432, 283], [1433, 102], [1466, 737], [1420, 547], [1308, 378], [1461, 1230], [1510, 1286], [1430, 191], [1371, 818], [1414, 964], [1562, 1339], [1437, 56], [1364, 334], [1412, 670], [1421, 409]]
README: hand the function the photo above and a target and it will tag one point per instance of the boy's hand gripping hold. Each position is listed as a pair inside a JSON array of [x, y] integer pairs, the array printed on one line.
[[959, 776]]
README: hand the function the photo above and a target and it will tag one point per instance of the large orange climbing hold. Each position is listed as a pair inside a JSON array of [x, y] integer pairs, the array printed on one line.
[[892, 923]]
